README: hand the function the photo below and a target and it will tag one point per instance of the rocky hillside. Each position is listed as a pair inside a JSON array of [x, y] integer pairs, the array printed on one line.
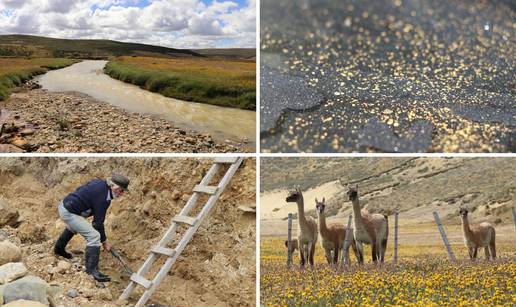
[[414, 186], [217, 268]]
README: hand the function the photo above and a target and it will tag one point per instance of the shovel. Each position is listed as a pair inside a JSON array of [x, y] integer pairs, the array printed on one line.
[[116, 254]]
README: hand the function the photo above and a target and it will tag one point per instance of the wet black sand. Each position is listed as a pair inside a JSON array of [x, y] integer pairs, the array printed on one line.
[[393, 76]]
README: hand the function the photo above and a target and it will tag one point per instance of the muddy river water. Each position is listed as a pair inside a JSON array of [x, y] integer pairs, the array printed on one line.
[[87, 77]]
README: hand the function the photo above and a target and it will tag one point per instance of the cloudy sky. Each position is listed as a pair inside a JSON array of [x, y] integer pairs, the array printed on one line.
[[171, 23]]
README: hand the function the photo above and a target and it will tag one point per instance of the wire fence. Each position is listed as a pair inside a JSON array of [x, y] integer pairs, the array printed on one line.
[[348, 237]]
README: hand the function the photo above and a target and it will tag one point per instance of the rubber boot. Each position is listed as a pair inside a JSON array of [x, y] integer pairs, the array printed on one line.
[[62, 241], [92, 261], [102, 274]]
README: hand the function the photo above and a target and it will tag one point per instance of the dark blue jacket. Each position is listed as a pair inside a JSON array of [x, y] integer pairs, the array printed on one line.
[[91, 199]]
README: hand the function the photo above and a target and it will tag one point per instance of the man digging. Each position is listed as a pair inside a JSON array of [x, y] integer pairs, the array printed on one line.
[[91, 199]]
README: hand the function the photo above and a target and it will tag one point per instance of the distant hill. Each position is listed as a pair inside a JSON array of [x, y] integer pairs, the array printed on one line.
[[229, 53], [414, 186], [36, 46]]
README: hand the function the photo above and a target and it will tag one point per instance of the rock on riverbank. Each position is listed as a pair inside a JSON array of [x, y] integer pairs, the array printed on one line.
[[41, 121]]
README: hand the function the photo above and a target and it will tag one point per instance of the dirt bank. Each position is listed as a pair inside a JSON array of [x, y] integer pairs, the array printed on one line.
[[216, 269], [415, 187], [42, 121]]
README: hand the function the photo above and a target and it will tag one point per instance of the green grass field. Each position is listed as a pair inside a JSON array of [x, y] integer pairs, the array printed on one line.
[[15, 71], [222, 82], [229, 53]]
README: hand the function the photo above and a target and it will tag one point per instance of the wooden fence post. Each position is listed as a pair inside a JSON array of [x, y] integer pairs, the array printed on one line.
[[395, 257], [345, 251], [514, 216], [443, 235], [289, 241]]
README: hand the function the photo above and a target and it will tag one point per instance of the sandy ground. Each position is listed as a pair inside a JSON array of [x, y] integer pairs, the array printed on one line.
[[216, 269], [274, 206]]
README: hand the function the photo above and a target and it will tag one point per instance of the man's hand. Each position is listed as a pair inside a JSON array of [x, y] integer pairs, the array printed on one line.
[[107, 246]]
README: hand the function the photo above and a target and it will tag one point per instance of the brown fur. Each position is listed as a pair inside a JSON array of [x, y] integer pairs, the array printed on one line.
[[307, 230], [293, 243], [477, 236], [332, 236], [372, 229]]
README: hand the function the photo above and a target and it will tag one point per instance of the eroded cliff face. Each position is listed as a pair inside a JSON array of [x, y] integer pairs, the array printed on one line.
[[217, 268], [414, 186]]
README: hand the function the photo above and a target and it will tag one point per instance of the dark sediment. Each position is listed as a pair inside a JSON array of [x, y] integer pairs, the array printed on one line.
[[447, 63]]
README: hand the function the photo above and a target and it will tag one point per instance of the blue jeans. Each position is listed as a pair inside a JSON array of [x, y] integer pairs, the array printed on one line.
[[77, 224]]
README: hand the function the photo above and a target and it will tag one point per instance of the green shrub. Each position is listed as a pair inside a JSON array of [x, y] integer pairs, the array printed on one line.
[[4, 92], [11, 80]]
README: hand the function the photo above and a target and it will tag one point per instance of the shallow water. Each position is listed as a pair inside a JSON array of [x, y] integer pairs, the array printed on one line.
[[87, 77]]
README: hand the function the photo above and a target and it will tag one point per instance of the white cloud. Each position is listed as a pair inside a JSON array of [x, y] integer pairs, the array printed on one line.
[[222, 7], [202, 25], [172, 23]]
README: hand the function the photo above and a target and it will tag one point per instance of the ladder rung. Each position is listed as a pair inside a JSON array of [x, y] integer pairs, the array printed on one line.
[[163, 251], [225, 159], [205, 189], [184, 219], [142, 281]]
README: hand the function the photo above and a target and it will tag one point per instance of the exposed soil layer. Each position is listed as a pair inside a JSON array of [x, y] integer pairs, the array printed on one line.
[[216, 269]]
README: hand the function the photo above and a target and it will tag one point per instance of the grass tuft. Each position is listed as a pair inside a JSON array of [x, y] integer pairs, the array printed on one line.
[[15, 71]]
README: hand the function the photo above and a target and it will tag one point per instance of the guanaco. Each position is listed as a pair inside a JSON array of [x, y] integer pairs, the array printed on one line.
[[332, 236], [476, 236], [372, 229]]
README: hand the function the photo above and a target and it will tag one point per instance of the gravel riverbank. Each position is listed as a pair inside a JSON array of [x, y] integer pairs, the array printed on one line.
[[40, 121]]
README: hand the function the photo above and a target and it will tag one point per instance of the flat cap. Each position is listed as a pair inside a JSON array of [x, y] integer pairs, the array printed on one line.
[[121, 181]]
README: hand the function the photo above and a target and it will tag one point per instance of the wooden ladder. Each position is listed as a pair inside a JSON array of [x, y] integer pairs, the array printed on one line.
[[192, 223]]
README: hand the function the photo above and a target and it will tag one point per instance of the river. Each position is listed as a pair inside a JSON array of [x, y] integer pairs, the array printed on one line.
[[87, 77]]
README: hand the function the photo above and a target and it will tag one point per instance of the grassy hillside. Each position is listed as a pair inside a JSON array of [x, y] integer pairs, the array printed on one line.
[[312, 172], [35, 46], [222, 82], [229, 53], [13, 72], [414, 186]]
